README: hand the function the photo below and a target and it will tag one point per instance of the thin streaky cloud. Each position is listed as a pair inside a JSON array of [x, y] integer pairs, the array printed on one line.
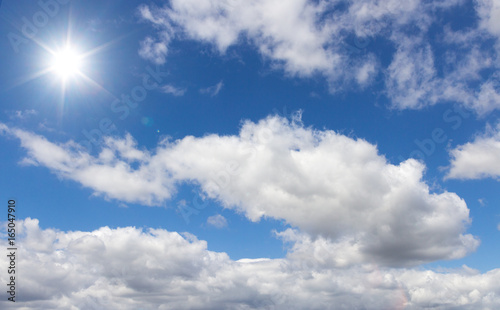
[[212, 90]]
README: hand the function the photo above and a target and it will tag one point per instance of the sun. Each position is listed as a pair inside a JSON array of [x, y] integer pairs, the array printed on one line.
[[66, 63]]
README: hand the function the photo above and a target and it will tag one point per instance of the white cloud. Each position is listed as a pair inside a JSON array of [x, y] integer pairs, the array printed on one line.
[[411, 75], [292, 34], [489, 14], [488, 97], [412, 79], [283, 31], [305, 38], [212, 90], [156, 51], [130, 268], [170, 89], [326, 184], [217, 221], [110, 174], [366, 72], [477, 159]]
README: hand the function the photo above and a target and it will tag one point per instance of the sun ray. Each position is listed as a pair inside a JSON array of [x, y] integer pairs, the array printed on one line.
[[108, 44], [28, 78]]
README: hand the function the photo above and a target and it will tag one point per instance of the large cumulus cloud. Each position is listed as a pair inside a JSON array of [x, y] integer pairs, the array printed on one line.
[[323, 183]]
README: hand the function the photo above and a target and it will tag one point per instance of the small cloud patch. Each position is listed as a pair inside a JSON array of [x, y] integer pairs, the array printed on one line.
[[217, 221]]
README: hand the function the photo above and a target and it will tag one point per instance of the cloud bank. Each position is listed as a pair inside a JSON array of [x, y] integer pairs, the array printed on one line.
[[130, 268]]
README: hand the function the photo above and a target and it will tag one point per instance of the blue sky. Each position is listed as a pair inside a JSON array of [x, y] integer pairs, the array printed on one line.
[[348, 150]]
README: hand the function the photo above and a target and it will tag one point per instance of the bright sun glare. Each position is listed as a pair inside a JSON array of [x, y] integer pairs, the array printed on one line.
[[66, 63]]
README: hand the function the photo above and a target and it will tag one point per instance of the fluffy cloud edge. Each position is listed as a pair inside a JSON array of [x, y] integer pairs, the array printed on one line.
[[477, 159]]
